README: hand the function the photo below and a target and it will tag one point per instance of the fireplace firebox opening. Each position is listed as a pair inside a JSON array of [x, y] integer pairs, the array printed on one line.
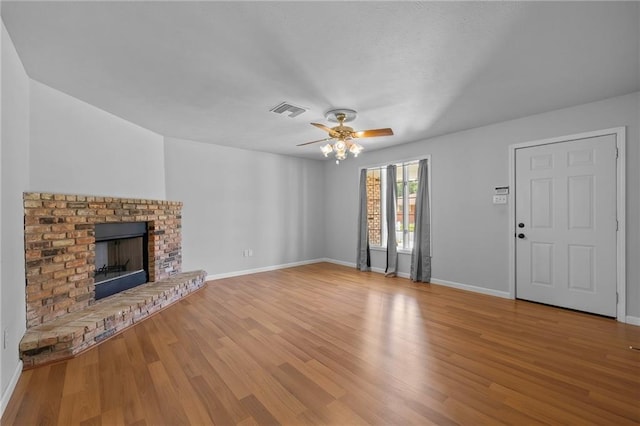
[[121, 257]]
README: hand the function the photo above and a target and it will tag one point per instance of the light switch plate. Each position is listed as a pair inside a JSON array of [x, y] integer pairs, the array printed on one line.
[[499, 199]]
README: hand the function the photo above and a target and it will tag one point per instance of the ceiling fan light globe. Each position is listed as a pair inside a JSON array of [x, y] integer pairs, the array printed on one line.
[[326, 149], [355, 149]]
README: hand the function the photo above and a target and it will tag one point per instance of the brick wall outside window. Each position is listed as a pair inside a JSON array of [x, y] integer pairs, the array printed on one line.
[[374, 206]]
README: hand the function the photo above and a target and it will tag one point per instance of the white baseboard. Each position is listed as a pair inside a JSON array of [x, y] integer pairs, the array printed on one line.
[[632, 320], [263, 269], [475, 289], [467, 287], [353, 265], [338, 262], [490, 292], [6, 395]]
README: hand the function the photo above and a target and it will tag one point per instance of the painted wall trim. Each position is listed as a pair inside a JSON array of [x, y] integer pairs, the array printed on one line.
[[437, 281], [620, 134], [473, 288], [633, 320], [339, 262], [262, 269], [6, 395]]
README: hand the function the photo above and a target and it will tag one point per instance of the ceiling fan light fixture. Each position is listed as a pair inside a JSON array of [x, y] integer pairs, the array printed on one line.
[[342, 149], [326, 149], [355, 149], [344, 135]]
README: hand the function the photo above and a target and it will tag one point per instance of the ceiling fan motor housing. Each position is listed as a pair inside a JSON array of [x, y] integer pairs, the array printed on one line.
[[332, 115]]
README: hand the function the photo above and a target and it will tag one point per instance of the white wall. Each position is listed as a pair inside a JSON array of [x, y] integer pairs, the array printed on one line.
[[80, 149], [52, 142], [14, 158], [470, 234], [3, 388], [236, 199]]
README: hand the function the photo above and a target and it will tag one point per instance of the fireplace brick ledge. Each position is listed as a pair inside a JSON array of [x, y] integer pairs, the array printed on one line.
[[75, 332]]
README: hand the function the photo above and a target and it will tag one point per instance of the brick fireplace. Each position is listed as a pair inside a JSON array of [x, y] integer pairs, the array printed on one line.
[[60, 246], [63, 316]]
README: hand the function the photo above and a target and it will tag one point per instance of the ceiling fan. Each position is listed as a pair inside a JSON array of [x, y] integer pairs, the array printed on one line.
[[344, 135]]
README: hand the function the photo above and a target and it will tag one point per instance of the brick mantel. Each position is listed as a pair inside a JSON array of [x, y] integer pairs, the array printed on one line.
[[59, 232]]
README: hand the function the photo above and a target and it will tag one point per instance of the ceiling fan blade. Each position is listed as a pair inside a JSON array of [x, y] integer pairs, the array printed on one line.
[[373, 133], [309, 143], [325, 128]]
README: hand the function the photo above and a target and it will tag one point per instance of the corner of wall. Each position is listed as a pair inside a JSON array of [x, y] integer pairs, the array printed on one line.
[[14, 157]]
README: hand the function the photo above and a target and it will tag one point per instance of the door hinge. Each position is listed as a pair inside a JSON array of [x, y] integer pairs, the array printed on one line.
[[617, 298], [617, 152], [617, 225]]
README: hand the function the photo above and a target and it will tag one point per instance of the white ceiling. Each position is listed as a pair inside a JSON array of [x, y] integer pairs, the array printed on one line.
[[210, 71]]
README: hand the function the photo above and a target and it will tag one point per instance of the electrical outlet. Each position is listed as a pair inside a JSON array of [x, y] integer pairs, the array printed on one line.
[[250, 254]]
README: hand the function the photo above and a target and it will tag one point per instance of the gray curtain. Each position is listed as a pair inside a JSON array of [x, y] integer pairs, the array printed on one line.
[[421, 254], [392, 245], [363, 259]]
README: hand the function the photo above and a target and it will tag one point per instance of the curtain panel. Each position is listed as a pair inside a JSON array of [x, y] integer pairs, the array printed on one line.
[[363, 258], [421, 253], [392, 244]]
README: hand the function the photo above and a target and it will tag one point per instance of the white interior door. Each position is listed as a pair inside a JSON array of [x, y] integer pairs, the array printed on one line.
[[566, 224]]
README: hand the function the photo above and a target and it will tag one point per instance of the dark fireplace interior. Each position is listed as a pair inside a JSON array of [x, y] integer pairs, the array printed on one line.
[[121, 257]]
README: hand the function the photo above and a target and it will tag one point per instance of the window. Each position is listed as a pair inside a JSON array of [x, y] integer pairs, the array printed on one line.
[[406, 189]]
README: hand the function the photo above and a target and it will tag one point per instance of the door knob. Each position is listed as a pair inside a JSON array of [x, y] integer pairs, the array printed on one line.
[[521, 236], [521, 225]]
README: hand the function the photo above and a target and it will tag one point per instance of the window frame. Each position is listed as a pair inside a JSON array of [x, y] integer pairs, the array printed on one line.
[[401, 166]]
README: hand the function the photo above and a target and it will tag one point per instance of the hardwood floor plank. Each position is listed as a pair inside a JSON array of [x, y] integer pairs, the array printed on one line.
[[259, 412], [339, 413], [216, 410], [325, 344], [307, 391], [93, 421], [31, 398], [143, 335], [48, 413], [188, 365], [113, 417]]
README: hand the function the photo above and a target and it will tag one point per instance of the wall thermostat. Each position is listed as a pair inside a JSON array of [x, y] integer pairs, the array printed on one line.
[[501, 190]]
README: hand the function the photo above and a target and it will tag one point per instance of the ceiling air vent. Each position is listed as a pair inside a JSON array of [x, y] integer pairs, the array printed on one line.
[[293, 110]]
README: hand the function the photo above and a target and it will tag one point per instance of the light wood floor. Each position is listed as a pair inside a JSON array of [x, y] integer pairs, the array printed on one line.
[[324, 344]]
